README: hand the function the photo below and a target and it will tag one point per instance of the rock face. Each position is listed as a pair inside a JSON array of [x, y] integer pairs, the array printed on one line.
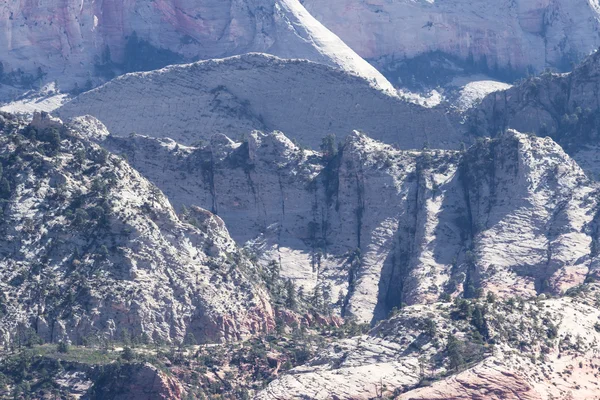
[[136, 382], [91, 251], [478, 383], [562, 106], [502, 34], [541, 349], [257, 91], [73, 40], [382, 226]]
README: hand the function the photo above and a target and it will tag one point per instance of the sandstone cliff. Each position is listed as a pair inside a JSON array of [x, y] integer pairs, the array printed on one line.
[[76, 41], [256, 91], [91, 251], [382, 226], [562, 106], [506, 34]]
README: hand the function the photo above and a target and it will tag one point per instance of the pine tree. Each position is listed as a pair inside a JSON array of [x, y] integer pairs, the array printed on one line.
[[454, 351], [127, 354], [316, 300], [290, 300], [62, 347], [341, 298], [4, 188], [479, 322]]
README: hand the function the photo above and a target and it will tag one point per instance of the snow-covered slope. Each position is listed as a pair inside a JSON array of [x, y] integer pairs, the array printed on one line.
[[72, 40], [232, 96], [503, 34], [92, 251]]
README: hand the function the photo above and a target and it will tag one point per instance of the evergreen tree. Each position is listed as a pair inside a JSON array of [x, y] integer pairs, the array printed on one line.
[[190, 339], [62, 347], [4, 188], [341, 298], [316, 300], [290, 299], [479, 322], [128, 354], [454, 351], [328, 147], [326, 296]]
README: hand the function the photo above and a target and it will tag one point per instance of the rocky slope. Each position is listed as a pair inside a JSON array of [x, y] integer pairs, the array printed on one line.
[[371, 232], [562, 106], [78, 41], [257, 91], [495, 35], [516, 349], [378, 227], [91, 251]]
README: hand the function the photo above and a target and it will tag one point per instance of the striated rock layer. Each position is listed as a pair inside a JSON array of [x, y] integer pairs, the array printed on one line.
[[258, 91], [526, 350], [71, 41], [382, 226], [563, 106], [505, 34]]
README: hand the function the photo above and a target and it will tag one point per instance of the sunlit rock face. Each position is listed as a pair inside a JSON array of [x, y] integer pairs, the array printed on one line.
[[80, 41], [502, 34]]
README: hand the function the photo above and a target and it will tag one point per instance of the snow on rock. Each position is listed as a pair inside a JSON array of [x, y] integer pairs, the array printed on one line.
[[233, 96]]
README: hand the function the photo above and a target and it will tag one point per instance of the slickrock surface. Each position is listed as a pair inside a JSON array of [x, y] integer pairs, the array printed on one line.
[[257, 91], [540, 349]]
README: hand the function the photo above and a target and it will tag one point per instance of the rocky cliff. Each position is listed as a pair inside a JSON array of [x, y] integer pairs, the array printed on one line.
[[495, 35], [369, 231], [380, 227], [562, 106], [87, 41], [257, 91], [92, 252]]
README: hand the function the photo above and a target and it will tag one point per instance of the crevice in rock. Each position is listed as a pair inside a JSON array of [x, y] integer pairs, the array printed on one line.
[[354, 263], [360, 209], [208, 174]]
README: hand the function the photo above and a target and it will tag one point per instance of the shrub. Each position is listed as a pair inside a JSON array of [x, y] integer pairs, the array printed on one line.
[[128, 354], [62, 347]]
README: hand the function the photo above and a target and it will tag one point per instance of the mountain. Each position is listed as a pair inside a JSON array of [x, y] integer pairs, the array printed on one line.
[[364, 230], [91, 251], [494, 36], [230, 203], [562, 106], [377, 227], [256, 91], [87, 41]]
